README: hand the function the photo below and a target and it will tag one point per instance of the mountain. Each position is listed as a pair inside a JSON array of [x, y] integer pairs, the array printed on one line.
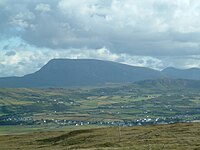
[[81, 72], [192, 73], [168, 83]]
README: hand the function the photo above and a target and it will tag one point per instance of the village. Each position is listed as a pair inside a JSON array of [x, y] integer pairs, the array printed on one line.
[[20, 120]]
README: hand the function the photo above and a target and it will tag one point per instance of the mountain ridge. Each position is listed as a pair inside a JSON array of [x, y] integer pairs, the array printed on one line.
[[80, 72], [169, 83], [89, 72], [191, 73]]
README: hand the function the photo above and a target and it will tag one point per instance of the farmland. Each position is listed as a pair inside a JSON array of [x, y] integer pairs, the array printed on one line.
[[113, 105]]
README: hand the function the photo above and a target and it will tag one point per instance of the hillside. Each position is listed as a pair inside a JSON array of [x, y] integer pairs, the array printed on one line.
[[165, 137], [80, 72], [169, 83], [192, 73]]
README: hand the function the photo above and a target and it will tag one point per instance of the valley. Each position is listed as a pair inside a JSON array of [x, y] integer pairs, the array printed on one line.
[[138, 103]]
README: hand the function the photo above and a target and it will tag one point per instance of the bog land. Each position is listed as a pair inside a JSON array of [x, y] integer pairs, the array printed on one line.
[[151, 137]]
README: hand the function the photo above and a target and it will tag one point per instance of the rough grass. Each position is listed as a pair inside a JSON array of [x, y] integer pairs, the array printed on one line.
[[175, 136]]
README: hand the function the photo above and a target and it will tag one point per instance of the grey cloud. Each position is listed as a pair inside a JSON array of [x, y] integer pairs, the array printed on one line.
[[43, 7], [6, 47], [10, 53], [155, 28]]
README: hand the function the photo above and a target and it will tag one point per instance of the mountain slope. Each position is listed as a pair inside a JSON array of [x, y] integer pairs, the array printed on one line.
[[80, 72], [192, 73], [169, 83]]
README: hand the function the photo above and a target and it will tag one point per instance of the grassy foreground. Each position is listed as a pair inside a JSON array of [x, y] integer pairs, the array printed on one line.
[[174, 136]]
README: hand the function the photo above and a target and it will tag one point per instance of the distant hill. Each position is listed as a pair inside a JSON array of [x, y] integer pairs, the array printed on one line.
[[81, 72], [192, 73], [89, 72], [169, 83]]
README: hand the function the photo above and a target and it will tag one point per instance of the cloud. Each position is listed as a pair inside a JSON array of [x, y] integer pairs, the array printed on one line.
[[21, 20], [192, 61], [151, 33], [43, 7], [156, 27], [10, 53]]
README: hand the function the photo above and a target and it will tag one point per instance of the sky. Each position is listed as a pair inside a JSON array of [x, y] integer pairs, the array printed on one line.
[[148, 33]]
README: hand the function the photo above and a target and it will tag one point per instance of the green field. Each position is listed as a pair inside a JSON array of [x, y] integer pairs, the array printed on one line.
[[102, 105], [17, 129], [155, 137]]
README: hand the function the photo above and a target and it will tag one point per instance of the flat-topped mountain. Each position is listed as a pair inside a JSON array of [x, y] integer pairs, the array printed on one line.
[[81, 72]]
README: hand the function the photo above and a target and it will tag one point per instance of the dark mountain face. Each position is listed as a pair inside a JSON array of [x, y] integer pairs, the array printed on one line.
[[192, 73], [80, 72], [88, 72]]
